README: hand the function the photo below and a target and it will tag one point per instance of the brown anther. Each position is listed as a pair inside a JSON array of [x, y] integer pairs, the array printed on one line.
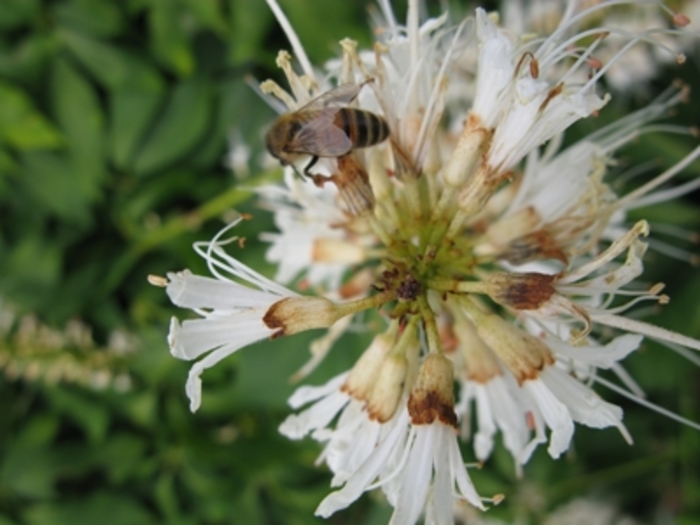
[[241, 242], [530, 420], [553, 93], [533, 65], [595, 63], [680, 20], [685, 93], [247, 216]]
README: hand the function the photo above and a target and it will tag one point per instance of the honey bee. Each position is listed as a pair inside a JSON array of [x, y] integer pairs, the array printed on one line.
[[325, 127]]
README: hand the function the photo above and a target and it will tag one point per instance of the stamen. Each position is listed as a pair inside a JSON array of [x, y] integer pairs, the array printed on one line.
[[292, 37], [157, 280], [628, 201], [648, 404], [615, 249], [674, 252], [639, 327]]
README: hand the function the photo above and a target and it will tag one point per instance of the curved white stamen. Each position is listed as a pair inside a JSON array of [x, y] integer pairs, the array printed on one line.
[[292, 37], [647, 404], [639, 327], [627, 200]]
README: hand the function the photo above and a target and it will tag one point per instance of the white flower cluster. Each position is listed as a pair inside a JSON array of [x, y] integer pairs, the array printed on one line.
[[500, 260]]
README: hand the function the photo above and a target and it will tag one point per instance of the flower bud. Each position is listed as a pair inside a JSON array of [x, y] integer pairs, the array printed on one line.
[[333, 251], [523, 354], [388, 388], [292, 315], [433, 395], [467, 152], [363, 375], [521, 291]]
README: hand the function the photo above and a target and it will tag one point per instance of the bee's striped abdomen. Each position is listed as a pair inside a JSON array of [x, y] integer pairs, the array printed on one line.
[[363, 127]]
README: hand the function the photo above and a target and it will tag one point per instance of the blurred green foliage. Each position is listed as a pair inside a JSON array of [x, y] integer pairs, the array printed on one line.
[[114, 124]]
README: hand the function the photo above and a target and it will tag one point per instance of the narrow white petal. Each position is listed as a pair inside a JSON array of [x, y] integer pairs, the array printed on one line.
[[195, 337], [416, 477], [555, 415], [362, 478], [600, 356], [440, 501], [483, 441], [193, 387], [585, 406], [465, 487], [306, 394], [195, 291], [318, 415]]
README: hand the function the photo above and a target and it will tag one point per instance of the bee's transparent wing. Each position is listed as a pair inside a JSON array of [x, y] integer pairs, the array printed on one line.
[[321, 137], [338, 96]]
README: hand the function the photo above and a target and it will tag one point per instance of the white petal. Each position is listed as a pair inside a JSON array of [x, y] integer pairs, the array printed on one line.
[[197, 336], [585, 406], [195, 291], [599, 356], [483, 441], [306, 394], [318, 415], [362, 477], [465, 487], [440, 502], [193, 387], [416, 476], [495, 68], [555, 415]]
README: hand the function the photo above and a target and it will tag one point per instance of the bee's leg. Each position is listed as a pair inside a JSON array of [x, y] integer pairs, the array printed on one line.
[[296, 170], [310, 165]]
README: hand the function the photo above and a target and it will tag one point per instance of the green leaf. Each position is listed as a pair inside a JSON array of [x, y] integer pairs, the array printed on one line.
[[80, 115], [111, 66], [183, 123], [209, 14], [96, 17], [170, 41], [29, 273], [7, 165], [25, 60], [14, 13], [322, 27], [21, 125], [122, 455], [102, 508], [26, 467], [131, 115], [78, 111], [53, 183], [250, 22], [91, 416]]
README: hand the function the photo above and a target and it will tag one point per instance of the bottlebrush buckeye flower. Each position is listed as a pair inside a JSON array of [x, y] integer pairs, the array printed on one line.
[[500, 259]]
